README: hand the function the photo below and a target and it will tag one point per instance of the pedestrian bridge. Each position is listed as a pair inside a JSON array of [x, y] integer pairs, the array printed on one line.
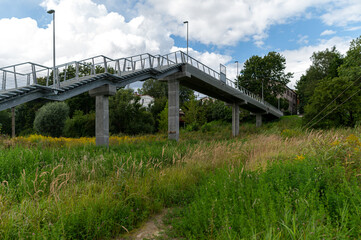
[[101, 76]]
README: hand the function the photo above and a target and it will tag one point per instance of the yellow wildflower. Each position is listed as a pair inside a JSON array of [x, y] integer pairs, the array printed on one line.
[[299, 157]]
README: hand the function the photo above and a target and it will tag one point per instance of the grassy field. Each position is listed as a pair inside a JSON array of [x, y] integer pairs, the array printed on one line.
[[273, 182]]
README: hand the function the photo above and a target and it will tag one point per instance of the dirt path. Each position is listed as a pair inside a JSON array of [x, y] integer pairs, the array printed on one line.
[[152, 229]]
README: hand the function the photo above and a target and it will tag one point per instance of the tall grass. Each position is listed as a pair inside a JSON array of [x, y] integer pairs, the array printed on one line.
[[53, 190], [301, 200]]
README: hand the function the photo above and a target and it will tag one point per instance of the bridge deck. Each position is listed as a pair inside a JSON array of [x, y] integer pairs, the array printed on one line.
[[196, 76]]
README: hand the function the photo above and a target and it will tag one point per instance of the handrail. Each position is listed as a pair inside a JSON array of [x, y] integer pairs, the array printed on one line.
[[25, 74]]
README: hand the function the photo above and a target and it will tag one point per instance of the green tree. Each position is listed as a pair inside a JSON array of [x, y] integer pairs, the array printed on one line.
[[82, 102], [50, 119], [194, 113], [348, 114], [217, 110], [156, 108], [163, 119], [333, 91], [325, 64], [154, 88], [352, 62], [80, 125], [159, 89], [127, 115], [5, 122], [25, 116], [267, 71]]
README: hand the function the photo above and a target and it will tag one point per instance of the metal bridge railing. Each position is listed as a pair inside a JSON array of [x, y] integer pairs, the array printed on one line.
[[181, 57], [25, 74]]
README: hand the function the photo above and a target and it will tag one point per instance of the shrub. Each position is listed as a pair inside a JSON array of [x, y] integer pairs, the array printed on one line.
[[127, 115], [80, 125], [50, 119], [163, 119], [5, 122]]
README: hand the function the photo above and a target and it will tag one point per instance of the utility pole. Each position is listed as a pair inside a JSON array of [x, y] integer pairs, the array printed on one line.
[[186, 22], [237, 74], [54, 70]]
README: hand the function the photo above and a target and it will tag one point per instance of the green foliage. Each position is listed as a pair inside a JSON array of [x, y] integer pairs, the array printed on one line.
[[163, 119], [342, 86], [194, 114], [269, 70], [80, 125], [158, 89], [50, 119], [348, 114], [154, 88], [83, 102], [288, 201], [352, 62], [87, 192], [5, 122], [127, 115], [156, 108], [217, 110], [324, 65], [25, 116]]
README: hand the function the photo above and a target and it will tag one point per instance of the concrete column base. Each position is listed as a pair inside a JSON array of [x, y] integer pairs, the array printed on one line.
[[101, 95], [258, 119], [173, 109], [235, 119]]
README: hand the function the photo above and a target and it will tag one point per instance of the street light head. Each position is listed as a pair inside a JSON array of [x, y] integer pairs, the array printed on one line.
[[51, 11], [236, 61], [185, 22]]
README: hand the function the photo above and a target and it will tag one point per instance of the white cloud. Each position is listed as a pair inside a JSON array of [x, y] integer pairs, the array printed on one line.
[[328, 32], [342, 12], [212, 60], [303, 40], [93, 32], [353, 28], [298, 61], [226, 22]]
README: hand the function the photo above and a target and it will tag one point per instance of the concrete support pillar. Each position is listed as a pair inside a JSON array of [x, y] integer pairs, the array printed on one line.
[[101, 95], [258, 119], [235, 119], [173, 109]]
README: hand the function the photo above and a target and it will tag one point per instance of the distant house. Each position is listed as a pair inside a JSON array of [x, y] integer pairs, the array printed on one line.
[[291, 96], [205, 99], [145, 100]]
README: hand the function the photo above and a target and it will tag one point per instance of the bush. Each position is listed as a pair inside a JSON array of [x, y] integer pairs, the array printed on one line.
[[163, 119], [80, 125], [5, 122], [127, 115], [50, 119]]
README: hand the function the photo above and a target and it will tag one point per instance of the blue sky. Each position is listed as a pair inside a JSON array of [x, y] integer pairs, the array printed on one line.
[[220, 31]]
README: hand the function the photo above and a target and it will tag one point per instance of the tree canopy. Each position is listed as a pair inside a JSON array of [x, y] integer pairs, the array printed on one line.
[[158, 89], [268, 71], [335, 99], [324, 65]]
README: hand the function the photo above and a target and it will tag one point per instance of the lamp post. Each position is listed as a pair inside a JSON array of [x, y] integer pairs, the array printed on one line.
[[186, 22], [237, 73], [54, 73]]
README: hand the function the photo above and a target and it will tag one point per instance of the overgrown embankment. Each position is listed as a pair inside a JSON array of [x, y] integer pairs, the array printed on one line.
[[273, 182]]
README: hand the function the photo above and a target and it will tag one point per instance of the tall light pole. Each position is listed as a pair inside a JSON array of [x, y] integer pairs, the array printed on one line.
[[237, 73], [54, 74], [186, 22]]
